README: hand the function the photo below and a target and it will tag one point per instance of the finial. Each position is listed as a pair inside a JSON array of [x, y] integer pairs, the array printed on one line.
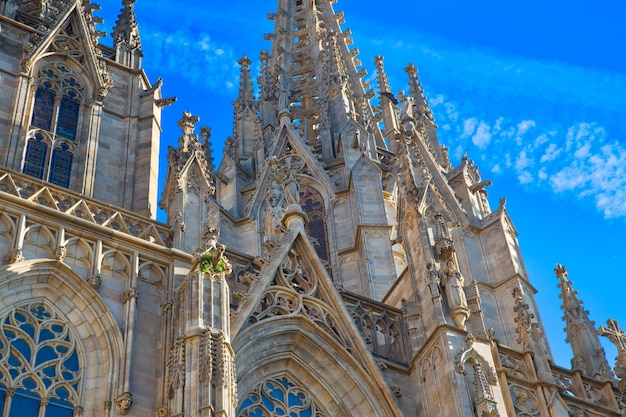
[[246, 97], [188, 124], [383, 81], [561, 271]]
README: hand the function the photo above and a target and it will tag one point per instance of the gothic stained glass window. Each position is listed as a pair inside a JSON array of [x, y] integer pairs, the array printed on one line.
[[44, 107], [36, 152], [56, 115], [67, 122], [278, 397], [313, 205], [61, 166], [40, 372]]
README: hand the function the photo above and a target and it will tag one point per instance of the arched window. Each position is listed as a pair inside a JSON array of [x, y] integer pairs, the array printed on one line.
[[313, 205], [54, 124], [278, 396], [40, 370]]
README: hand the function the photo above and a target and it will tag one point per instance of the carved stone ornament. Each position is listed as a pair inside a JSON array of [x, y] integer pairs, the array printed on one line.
[[617, 336], [162, 411], [95, 281], [14, 256], [123, 403]]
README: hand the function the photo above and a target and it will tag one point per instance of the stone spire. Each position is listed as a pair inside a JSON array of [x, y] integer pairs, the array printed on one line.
[[246, 97], [423, 115], [126, 40], [246, 131], [589, 357], [315, 83], [387, 103]]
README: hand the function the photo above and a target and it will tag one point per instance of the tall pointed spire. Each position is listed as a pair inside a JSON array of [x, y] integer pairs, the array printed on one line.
[[246, 132], [589, 357], [388, 102], [126, 40], [314, 77]]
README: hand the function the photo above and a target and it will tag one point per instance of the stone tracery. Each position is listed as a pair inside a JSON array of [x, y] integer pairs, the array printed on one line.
[[279, 396], [39, 361]]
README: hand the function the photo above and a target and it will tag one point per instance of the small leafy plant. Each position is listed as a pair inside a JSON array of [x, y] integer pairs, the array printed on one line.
[[206, 264]]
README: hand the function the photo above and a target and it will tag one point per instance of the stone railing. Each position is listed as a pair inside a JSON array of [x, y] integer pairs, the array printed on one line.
[[381, 326], [90, 210]]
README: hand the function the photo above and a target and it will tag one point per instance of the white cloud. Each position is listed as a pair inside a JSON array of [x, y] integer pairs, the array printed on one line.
[[525, 177], [577, 160], [469, 126], [482, 137], [195, 56], [551, 152]]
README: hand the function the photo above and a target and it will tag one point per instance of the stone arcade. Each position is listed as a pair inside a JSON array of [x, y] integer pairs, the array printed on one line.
[[335, 264]]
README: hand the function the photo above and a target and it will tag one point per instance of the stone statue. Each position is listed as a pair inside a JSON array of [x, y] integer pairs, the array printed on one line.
[[407, 117], [453, 281], [283, 172]]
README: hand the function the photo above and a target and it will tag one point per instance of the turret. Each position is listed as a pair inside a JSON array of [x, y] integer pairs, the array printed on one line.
[[189, 184], [201, 373]]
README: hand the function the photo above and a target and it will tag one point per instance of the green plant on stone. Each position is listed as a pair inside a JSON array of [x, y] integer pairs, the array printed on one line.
[[207, 266]]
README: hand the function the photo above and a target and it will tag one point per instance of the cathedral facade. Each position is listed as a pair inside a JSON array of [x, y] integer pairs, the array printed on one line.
[[335, 263]]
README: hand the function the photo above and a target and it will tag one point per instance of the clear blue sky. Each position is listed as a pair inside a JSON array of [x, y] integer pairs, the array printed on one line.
[[534, 91]]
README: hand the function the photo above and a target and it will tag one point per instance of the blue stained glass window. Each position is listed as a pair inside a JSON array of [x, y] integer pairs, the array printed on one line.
[[3, 396], [44, 108], [68, 117], [36, 152], [24, 404], [61, 167], [278, 397], [39, 367]]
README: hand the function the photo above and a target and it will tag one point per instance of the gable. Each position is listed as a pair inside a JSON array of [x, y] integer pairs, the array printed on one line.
[[71, 36]]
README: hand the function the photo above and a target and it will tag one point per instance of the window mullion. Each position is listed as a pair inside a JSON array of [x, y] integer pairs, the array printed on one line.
[[7, 402], [53, 134]]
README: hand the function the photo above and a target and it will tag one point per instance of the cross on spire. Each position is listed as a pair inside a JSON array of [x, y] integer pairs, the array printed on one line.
[[618, 337], [615, 334]]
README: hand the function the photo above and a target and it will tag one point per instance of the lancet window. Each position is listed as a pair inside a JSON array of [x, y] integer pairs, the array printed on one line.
[[54, 126], [278, 396], [313, 205], [40, 369]]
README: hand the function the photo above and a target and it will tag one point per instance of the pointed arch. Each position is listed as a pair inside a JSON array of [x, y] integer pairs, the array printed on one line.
[[84, 314], [297, 322], [315, 360], [314, 206], [61, 90], [41, 358], [281, 395]]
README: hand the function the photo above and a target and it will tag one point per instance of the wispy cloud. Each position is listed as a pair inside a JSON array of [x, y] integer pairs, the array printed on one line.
[[579, 160], [196, 57]]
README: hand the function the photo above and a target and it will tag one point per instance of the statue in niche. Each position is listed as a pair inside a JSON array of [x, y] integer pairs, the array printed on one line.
[[283, 172], [453, 281]]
